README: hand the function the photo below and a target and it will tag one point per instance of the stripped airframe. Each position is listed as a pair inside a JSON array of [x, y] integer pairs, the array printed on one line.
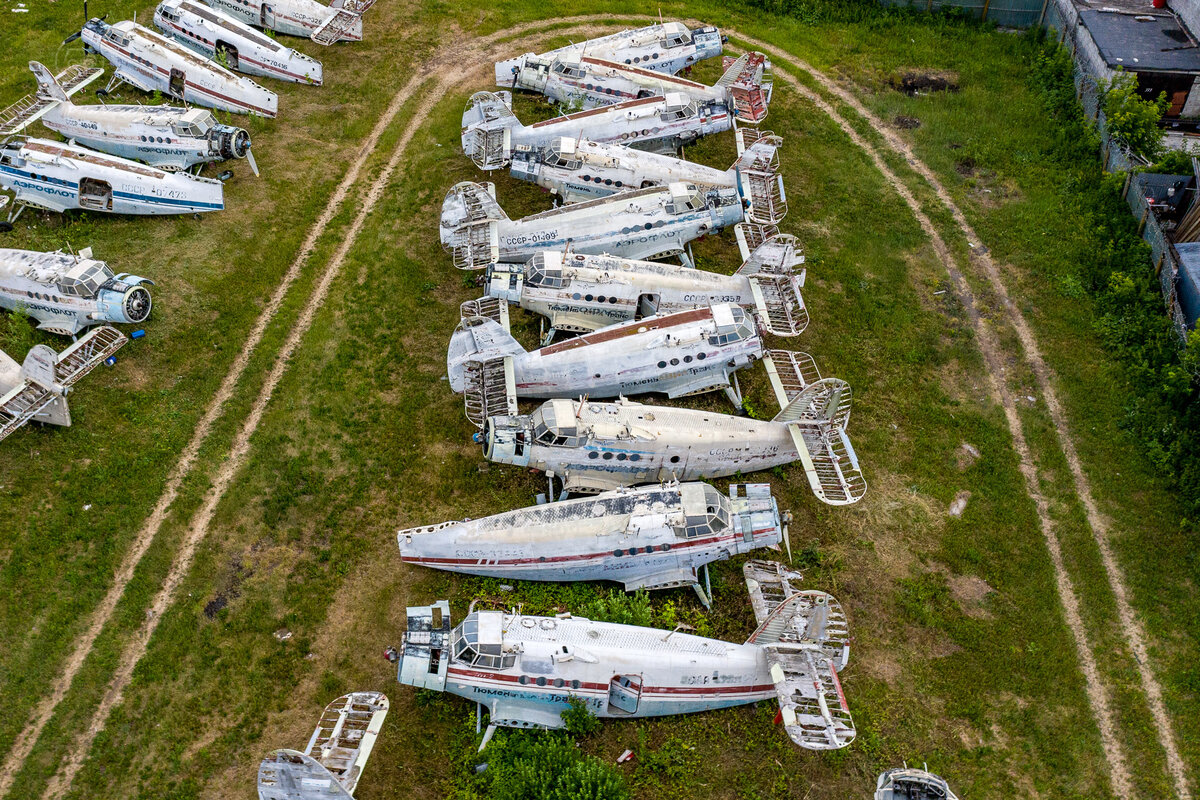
[[652, 537], [590, 82], [578, 293], [525, 669], [325, 25], [580, 169], [491, 133], [642, 223], [665, 47]]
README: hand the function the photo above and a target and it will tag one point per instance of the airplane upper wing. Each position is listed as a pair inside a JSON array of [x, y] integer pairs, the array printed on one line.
[[806, 639]]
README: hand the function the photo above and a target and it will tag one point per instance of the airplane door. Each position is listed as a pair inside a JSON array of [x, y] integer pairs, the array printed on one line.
[[624, 692], [95, 194], [647, 306], [178, 83], [267, 16]]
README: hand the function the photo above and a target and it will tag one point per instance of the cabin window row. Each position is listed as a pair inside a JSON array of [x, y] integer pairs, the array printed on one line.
[[674, 362], [160, 140], [590, 298], [605, 181], [640, 59], [608, 456], [542, 680], [599, 89], [633, 551]]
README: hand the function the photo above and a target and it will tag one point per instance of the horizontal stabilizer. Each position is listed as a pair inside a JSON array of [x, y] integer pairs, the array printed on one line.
[[493, 308], [468, 226], [489, 389], [477, 339], [291, 775], [817, 420], [487, 124], [75, 77], [46, 377], [806, 639], [751, 235], [23, 113], [775, 284]]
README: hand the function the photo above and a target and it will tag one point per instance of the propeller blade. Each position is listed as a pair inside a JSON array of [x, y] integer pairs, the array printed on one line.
[[250, 160], [72, 37]]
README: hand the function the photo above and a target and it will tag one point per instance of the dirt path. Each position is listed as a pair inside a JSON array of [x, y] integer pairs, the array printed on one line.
[[451, 59], [1131, 628], [455, 57], [28, 737]]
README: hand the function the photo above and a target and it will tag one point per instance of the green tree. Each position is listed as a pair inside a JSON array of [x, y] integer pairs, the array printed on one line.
[[1132, 120]]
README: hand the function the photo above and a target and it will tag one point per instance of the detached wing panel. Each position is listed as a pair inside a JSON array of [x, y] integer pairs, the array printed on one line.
[[811, 700]]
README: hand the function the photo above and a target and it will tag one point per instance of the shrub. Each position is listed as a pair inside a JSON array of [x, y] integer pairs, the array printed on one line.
[[1131, 119], [579, 719]]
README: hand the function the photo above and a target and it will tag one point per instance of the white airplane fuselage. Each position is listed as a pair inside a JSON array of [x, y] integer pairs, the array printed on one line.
[[166, 137], [635, 224], [584, 169], [582, 293], [491, 134], [666, 47], [595, 446], [205, 30], [66, 293], [154, 63], [594, 82], [291, 17], [679, 354], [61, 177], [651, 537], [618, 671]]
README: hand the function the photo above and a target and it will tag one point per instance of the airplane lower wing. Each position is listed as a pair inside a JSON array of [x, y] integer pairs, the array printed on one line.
[[806, 639], [332, 763], [591, 483], [661, 580]]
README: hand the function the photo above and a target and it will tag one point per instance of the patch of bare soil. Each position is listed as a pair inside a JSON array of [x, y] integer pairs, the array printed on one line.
[[925, 82], [906, 123]]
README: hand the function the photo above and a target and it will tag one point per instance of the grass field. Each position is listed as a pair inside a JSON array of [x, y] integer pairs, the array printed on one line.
[[961, 656]]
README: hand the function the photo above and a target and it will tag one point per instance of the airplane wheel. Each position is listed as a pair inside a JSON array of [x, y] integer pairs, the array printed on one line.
[[5, 227]]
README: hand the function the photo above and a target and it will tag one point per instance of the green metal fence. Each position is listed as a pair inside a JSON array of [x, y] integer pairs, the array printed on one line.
[[1009, 13]]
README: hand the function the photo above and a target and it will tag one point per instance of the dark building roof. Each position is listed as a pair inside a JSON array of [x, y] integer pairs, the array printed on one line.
[[1157, 43], [1188, 285]]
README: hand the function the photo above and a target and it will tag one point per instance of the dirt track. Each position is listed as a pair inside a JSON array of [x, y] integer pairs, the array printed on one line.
[[470, 52]]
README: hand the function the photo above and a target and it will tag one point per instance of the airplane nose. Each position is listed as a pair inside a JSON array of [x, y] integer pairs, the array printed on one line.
[[241, 144], [137, 304], [485, 438]]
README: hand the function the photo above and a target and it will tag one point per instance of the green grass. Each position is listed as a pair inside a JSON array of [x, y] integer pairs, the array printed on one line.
[[364, 437]]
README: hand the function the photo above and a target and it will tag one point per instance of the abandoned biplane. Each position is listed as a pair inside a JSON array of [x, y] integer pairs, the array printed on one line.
[[579, 169], [333, 762], [656, 221], [61, 177], [653, 537], [324, 24], [665, 47], [166, 137], [910, 783], [491, 133], [153, 63], [579, 293], [36, 391], [219, 36], [68, 292], [681, 354], [593, 446], [526, 669], [590, 82]]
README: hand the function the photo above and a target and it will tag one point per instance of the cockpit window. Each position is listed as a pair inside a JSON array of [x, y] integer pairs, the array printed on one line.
[[713, 518], [85, 282], [541, 275], [739, 330], [467, 648], [675, 113]]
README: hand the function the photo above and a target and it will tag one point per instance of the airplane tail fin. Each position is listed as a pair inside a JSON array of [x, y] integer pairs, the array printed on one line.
[[468, 226], [487, 124], [479, 365], [47, 85], [748, 81]]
